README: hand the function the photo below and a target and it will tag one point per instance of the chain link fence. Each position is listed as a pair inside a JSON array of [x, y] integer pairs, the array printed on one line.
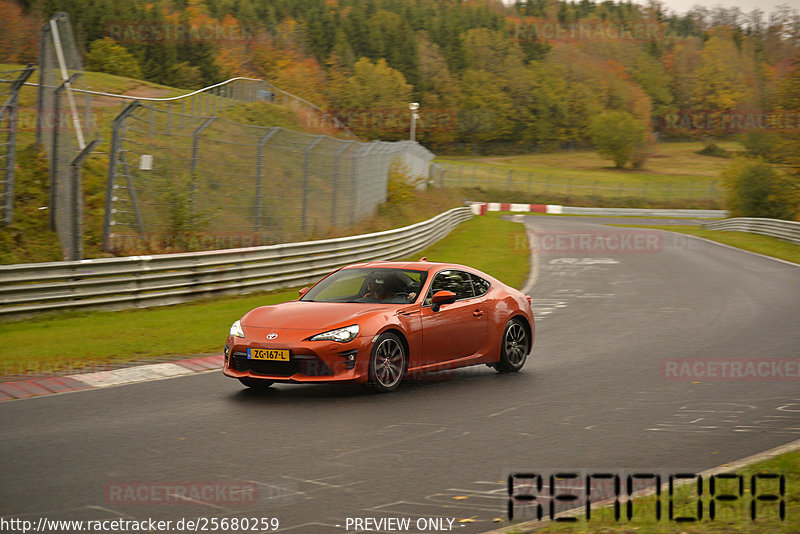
[[10, 83], [486, 177], [181, 181], [66, 127]]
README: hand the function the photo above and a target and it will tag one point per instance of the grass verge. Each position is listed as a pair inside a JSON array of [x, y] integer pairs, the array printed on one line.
[[732, 516], [77, 339], [762, 244]]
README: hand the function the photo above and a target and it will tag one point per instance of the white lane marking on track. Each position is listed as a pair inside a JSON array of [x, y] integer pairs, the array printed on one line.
[[115, 513], [501, 412], [127, 375]]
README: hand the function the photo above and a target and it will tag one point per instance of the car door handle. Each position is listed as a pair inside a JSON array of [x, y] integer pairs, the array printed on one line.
[[477, 313]]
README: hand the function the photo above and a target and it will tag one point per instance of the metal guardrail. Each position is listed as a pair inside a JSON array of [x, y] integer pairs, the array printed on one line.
[[646, 212], [144, 281], [785, 230]]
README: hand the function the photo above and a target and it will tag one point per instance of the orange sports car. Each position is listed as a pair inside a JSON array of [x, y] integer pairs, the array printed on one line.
[[376, 323]]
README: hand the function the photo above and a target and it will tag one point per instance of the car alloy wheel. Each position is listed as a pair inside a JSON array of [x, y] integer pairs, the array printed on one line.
[[387, 363], [515, 348]]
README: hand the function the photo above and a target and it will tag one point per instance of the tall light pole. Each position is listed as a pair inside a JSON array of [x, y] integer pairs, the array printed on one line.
[[413, 106]]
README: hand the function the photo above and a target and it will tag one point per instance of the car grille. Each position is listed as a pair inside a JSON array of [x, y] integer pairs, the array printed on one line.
[[303, 364]]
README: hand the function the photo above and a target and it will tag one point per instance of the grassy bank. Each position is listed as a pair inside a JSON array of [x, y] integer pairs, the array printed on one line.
[[730, 517], [73, 340]]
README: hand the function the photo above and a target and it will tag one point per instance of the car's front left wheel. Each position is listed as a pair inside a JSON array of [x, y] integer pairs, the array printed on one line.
[[387, 363]]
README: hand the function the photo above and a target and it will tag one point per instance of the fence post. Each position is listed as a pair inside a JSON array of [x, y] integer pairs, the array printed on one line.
[[358, 156], [40, 90], [259, 173], [304, 214], [11, 106], [112, 172], [195, 149], [76, 248], [54, 155], [195, 141], [335, 193]]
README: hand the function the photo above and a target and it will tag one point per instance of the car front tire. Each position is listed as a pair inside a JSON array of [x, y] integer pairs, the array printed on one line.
[[387, 363]]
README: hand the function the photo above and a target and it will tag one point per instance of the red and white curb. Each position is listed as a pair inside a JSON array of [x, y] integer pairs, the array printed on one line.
[[60, 384], [480, 208]]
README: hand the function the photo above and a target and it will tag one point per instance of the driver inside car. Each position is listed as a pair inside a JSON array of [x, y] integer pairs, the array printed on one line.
[[387, 288]]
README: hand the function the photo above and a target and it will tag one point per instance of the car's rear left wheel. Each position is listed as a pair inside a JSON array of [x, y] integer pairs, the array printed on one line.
[[387, 363], [256, 384], [515, 347]]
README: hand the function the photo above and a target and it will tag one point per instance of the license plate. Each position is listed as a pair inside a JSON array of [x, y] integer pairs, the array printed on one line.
[[268, 354]]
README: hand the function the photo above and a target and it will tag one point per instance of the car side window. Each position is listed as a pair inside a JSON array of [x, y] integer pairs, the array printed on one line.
[[458, 282], [480, 285]]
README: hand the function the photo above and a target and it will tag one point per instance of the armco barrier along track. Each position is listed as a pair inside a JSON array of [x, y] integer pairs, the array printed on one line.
[[785, 230], [143, 281]]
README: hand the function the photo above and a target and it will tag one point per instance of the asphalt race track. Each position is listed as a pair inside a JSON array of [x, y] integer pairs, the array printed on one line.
[[616, 315]]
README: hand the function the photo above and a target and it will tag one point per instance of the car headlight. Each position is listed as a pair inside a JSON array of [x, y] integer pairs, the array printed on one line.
[[342, 335], [236, 329]]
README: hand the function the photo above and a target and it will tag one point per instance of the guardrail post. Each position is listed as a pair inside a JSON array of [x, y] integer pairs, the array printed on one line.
[[112, 172], [259, 172], [335, 192], [305, 182]]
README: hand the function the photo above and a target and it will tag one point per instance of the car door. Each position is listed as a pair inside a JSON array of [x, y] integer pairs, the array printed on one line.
[[456, 330]]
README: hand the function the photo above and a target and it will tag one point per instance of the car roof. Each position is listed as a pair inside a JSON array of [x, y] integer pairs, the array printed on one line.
[[412, 265]]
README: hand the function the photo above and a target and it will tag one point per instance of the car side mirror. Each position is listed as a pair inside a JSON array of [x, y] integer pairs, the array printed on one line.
[[442, 297], [303, 291]]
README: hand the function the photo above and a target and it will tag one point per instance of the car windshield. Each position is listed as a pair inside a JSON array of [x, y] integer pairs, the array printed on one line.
[[369, 285]]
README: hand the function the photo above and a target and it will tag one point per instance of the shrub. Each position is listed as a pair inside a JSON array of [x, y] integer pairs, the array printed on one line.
[[621, 137], [757, 189]]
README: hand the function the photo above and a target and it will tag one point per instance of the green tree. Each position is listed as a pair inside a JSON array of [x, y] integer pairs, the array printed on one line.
[[487, 112], [105, 55], [619, 136]]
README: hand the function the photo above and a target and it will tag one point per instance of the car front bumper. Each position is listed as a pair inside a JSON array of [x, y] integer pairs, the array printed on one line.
[[310, 361]]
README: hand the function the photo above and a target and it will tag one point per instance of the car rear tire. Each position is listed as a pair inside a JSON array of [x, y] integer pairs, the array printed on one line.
[[516, 345], [256, 384], [387, 363]]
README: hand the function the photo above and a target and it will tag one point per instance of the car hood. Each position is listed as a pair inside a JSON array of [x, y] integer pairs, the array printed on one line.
[[303, 315]]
